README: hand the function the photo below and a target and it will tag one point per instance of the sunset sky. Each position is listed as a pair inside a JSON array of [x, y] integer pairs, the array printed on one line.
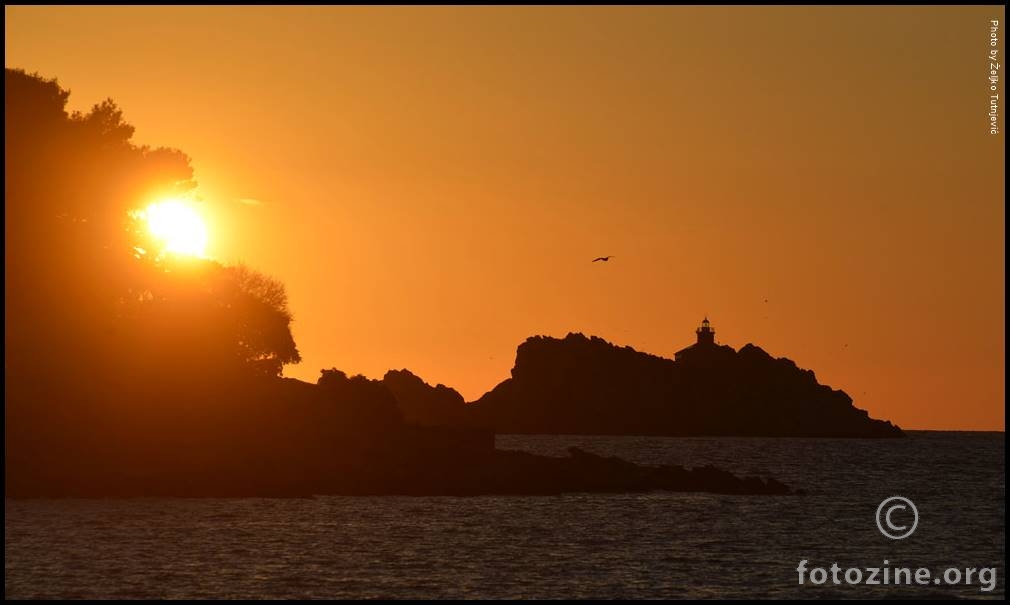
[[431, 184]]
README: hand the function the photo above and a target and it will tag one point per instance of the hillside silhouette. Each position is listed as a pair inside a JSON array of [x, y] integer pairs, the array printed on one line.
[[131, 372], [586, 385], [423, 404]]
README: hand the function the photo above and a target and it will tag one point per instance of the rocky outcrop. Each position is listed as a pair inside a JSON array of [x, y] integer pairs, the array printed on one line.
[[586, 385], [288, 438], [423, 404], [582, 471]]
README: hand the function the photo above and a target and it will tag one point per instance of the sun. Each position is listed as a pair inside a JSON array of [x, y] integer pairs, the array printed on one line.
[[178, 226]]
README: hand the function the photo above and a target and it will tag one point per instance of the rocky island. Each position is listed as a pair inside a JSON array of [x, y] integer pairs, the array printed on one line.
[[586, 385]]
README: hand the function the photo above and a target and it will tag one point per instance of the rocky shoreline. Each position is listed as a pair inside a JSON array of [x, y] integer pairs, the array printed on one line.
[[504, 472]]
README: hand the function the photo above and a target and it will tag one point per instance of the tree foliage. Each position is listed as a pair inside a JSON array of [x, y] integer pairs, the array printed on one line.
[[78, 299]]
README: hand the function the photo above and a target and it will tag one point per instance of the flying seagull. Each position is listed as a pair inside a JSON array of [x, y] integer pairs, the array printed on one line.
[[602, 258]]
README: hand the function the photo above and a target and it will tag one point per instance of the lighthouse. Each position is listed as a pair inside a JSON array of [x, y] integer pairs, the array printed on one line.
[[706, 341], [706, 335]]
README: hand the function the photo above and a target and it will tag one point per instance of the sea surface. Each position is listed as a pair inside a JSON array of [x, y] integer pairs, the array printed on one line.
[[656, 545]]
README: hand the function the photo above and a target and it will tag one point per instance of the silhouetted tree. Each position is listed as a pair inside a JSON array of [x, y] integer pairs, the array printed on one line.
[[80, 299], [259, 306]]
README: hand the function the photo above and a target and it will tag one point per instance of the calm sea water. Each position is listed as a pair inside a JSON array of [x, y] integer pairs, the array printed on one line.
[[581, 545]]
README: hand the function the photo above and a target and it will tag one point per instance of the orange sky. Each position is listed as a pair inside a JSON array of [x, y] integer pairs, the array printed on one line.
[[431, 184]]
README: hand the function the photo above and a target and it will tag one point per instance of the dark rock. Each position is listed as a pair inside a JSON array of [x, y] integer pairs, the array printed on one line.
[[580, 385], [287, 438], [423, 404]]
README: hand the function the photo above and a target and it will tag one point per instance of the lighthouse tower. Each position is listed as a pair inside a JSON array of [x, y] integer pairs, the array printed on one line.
[[706, 335], [706, 342]]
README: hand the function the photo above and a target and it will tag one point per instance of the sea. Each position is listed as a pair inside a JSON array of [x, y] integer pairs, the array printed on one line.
[[601, 546]]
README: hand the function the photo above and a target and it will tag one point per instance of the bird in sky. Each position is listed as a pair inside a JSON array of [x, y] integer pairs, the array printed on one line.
[[602, 258]]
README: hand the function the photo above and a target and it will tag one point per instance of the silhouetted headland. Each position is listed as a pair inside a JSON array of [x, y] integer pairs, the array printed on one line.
[[271, 436], [586, 385], [132, 371]]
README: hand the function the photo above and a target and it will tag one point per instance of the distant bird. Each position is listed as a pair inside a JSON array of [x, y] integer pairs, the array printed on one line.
[[602, 258]]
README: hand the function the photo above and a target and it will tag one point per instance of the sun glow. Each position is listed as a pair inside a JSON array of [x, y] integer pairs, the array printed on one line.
[[178, 226]]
